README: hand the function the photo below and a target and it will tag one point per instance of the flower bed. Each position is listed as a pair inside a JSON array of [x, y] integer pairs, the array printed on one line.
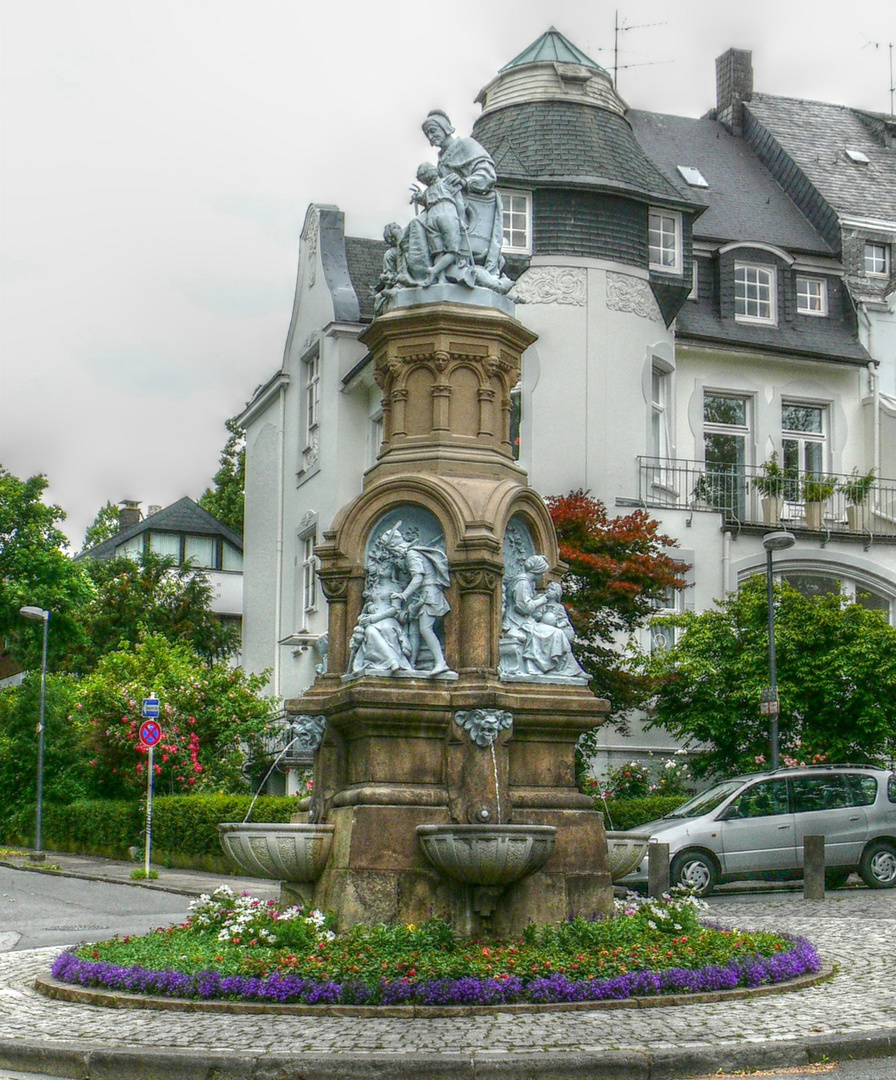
[[239, 948]]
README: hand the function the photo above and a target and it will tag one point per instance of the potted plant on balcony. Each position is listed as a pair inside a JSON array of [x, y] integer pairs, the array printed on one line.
[[769, 482], [855, 490], [702, 494], [817, 489]]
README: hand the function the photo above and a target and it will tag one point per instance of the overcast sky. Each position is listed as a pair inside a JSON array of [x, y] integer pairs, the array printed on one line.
[[158, 158]]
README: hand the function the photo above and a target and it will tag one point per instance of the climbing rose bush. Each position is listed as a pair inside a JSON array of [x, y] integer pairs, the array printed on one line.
[[211, 717]]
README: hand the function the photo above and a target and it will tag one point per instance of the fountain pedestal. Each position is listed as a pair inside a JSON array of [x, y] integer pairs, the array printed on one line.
[[424, 746]]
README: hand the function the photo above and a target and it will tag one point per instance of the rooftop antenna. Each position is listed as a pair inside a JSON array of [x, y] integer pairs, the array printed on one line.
[[617, 30], [877, 45]]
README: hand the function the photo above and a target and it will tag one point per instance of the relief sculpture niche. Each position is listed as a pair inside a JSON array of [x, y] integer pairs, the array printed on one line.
[[536, 634], [398, 632]]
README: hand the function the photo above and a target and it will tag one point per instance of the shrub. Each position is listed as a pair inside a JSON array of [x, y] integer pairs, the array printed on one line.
[[627, 814]]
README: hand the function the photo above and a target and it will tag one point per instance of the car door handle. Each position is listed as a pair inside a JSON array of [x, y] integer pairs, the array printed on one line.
[[856, 818], [783, 826]]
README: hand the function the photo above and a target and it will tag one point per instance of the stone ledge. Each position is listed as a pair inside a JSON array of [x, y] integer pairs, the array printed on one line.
[[115, 999]]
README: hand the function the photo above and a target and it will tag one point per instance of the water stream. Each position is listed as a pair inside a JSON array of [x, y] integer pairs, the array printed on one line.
[[268, 773], [497, 790]]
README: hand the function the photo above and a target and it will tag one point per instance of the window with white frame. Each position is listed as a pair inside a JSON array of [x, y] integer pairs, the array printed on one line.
[[309, 573], [755, 292], [877, 258], [664, 241], [517, 221], [659, 412], [811, 296], [817, 583], [376, 436], [311, 406], [726, 433], [662, 636], [803, 442]]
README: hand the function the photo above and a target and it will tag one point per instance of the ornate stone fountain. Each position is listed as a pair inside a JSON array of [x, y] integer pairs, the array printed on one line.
[[452, 698]]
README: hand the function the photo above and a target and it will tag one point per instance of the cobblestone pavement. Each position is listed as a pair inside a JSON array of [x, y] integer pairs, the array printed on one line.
[[854, 929]]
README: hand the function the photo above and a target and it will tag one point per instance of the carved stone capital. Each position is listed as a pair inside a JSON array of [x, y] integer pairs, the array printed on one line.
[[476, 579], [335, 586]]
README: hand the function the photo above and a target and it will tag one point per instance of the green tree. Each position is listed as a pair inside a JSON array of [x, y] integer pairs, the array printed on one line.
[[35, 570], [212, 718], [226, 499], [105, 526], [149, 594], [66, 775], [836, 664], [619, 570]]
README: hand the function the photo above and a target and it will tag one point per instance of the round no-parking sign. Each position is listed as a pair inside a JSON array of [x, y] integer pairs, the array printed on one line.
[[150, 732]]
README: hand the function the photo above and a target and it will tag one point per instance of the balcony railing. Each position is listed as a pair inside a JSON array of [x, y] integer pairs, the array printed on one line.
[[673, 483]]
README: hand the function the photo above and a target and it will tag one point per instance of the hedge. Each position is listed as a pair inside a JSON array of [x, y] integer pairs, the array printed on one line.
[[623, 815], [184, 827]]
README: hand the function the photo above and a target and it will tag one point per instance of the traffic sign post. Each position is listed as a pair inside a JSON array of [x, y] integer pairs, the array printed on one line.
[[150, 734]]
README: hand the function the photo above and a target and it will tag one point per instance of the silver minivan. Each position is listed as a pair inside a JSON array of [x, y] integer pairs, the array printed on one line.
[[752, 828]]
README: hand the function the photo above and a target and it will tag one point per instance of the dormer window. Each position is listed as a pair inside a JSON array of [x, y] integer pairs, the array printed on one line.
[[877, 259], [811, 296], [664, 241], [755, 294]]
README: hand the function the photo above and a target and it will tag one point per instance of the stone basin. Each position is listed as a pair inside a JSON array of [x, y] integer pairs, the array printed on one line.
[[487, 855], [625, 850], [281, 851]]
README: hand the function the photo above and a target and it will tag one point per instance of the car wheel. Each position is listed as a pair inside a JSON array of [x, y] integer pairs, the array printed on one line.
[[835, 879], [695, 871], [878, 865]]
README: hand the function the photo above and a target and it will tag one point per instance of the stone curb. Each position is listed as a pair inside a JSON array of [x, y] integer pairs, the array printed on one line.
[[120, 999], [103, 1063]]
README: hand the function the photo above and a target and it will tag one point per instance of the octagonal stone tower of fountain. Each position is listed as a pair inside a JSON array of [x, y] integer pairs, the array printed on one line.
[[452, 696]]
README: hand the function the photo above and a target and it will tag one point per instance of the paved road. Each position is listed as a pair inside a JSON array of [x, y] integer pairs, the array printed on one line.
[[40, 909], [853, 1014]]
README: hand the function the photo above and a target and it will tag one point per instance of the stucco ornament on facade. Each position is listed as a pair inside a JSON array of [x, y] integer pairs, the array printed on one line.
[[633, 295], [552, 285], [458, 231], [312, 232]]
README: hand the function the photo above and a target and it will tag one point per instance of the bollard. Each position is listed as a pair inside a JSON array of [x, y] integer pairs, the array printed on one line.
[[813, 868], [657, 869]]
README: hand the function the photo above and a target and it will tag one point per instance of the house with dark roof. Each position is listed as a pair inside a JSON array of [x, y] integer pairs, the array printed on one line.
[[184, 532], [693, 320]]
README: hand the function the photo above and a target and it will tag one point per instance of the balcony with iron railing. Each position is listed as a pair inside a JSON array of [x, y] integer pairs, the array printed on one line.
[[740, 493]]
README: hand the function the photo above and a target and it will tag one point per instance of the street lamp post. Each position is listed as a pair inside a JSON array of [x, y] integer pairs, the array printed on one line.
[[773, 541], [39, 615]]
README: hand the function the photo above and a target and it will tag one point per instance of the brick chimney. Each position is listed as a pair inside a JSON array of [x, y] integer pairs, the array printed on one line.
[[734, 85], [128, 514]]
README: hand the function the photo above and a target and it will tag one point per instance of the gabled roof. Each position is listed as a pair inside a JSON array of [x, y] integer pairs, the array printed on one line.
[[365, 264], [552, 46], [743, 200], [183, 516], [816, 136]]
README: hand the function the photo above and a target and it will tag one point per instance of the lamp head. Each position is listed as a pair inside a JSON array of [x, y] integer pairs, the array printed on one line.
[[778, 541], [36, 613]]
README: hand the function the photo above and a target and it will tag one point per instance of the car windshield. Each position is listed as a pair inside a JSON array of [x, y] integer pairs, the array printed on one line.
[[706, 800]]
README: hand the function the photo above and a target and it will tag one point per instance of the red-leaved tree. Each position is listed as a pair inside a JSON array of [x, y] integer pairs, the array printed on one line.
[[620, 571]]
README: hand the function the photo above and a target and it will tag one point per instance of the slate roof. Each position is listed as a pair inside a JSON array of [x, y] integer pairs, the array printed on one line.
[[183, 516], [572, 143], [816, 135], [813, 338], [743, 200], [552, 46], [365, 264]]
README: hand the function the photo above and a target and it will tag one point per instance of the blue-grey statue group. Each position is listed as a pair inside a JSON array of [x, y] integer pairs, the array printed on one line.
[[458, 231]]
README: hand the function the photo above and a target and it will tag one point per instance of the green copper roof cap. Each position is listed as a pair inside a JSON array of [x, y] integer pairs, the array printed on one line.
[[553, 46]]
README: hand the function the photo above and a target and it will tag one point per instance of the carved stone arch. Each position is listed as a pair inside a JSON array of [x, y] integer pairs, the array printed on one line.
[[530, 508]]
